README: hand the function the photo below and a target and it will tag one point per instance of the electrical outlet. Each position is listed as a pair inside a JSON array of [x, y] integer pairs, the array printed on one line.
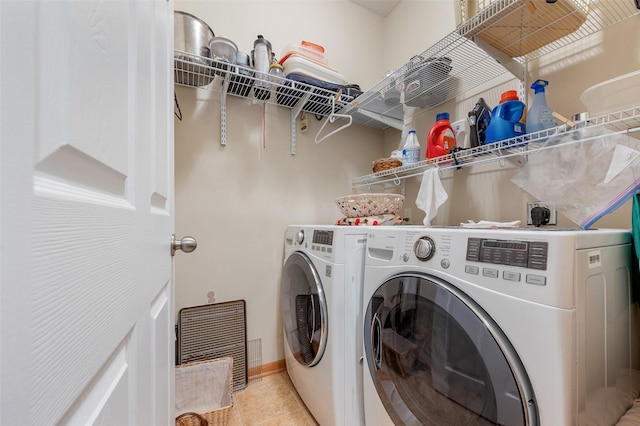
[[553, 214], [407, 215]]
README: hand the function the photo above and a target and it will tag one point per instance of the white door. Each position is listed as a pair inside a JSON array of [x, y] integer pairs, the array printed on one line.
[[86, 186]]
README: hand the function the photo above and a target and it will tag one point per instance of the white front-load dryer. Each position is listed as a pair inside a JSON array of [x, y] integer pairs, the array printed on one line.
[[321, 307], [506, 327]]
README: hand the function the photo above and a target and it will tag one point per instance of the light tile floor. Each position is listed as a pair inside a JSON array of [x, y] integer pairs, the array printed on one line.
[[271, 401]]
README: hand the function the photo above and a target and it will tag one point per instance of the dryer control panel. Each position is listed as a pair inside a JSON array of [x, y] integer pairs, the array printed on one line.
[[525, 254]]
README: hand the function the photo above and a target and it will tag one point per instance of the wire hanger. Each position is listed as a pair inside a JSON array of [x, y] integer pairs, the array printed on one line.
[[332, 117], [177, 106]]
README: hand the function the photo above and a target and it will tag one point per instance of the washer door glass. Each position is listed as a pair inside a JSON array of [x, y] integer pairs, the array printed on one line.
[[304, 309], [436, 358]]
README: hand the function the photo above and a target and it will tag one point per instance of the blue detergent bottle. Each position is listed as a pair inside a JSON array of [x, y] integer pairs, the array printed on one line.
[[508, 118], [540, 116]]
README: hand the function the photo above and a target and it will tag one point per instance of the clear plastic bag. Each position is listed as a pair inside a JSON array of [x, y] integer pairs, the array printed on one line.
[[591, 174]]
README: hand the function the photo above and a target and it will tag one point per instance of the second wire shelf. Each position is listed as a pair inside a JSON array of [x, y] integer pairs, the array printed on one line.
[[515, 149]]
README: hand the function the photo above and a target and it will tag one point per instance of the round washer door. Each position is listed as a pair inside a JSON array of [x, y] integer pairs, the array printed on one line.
[[436, 358], [304, 309]]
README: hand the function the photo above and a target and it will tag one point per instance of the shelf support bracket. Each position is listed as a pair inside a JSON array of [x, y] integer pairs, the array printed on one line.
[[223, 111], [294, 116], [389, 121], [510, 64]]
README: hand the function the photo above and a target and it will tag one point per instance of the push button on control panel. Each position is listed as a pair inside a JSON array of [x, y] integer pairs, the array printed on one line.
[[470, 269], [490, 272], [511, 276], [536, 279]]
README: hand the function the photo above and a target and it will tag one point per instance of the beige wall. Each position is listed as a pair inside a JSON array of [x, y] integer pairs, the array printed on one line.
[[350, 35], [412, 27], [237, 199]]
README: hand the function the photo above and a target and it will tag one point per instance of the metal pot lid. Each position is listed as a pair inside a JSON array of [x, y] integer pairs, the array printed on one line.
[[223, 40]]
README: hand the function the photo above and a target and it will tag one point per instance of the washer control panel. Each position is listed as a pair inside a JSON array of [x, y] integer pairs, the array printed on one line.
[[525, 254]]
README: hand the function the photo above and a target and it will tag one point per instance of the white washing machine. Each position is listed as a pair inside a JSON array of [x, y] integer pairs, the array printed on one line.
[[321, 301], [508, 327]]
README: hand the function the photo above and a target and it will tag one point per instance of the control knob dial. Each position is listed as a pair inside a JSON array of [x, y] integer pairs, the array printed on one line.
[[424, 248]]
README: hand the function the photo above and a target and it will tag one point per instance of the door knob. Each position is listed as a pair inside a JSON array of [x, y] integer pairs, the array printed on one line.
[[186, 244]]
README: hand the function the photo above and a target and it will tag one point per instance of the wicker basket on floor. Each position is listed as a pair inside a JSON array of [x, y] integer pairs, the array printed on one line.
[[204, 392], [191, 419]]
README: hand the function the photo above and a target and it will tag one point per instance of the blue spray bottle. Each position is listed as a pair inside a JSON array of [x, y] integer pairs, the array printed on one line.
[[539, 116]]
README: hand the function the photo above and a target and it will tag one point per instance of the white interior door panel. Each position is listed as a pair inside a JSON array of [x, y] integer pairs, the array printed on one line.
[[87, 193]]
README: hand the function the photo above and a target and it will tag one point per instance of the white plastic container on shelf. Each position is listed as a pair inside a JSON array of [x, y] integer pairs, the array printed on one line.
[[411, 149], [462, 130], [304, 67], [308, 50], [613, 95]]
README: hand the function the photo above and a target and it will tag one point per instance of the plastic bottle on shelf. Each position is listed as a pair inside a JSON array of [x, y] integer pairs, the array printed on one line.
[[411, 149], [540, 116], [261, 56], [508, 118], [461, 129], [276, 74], [441, 137]]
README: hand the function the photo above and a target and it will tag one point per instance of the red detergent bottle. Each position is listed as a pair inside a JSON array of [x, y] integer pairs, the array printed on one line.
[[441, 137]]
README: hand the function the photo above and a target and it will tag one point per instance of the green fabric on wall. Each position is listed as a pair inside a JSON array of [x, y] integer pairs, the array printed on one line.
[[635, 224], [635, 241]]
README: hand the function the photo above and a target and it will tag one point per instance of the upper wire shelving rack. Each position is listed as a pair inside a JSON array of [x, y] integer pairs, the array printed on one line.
[[474, 60], [241, 81], [467, 50]]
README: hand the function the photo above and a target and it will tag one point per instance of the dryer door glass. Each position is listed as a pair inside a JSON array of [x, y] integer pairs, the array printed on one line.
[[304, 309], [437, 358]]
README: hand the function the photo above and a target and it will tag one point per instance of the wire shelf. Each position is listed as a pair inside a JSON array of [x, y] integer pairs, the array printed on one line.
[[426, 83], [516, 149], [210, 74], [471, 55]]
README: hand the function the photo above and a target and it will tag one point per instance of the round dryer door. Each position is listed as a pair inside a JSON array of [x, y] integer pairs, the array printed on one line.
[[437, 358], [304, 309]]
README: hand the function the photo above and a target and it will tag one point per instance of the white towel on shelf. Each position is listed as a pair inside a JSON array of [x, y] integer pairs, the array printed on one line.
[[431, 194]]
